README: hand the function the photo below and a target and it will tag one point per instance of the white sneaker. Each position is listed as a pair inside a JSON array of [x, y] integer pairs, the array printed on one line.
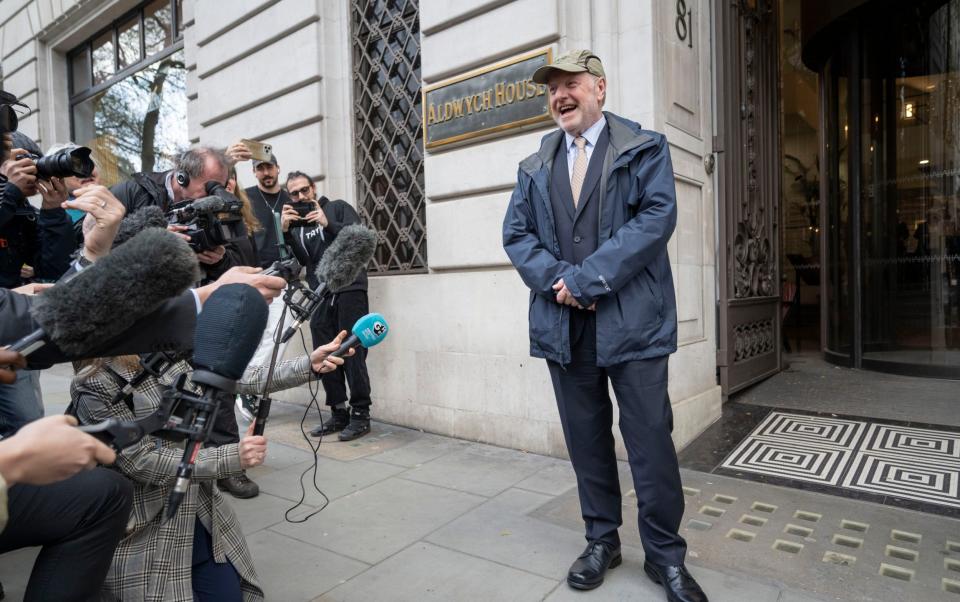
[[247, 406]]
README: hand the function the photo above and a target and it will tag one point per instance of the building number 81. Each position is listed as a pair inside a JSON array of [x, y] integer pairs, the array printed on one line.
[[684, 23]]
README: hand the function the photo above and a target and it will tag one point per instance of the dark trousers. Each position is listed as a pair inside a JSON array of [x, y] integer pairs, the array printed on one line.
[[646, 421], [325, 323], [79, 522], [212, 581]]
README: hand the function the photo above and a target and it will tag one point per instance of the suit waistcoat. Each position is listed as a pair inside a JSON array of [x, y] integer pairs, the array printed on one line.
[[577, 227]]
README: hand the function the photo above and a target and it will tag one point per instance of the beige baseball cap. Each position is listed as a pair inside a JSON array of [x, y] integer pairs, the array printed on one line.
[[573, 61]]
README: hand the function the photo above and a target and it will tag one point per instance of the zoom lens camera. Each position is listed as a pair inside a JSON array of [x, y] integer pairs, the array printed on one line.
[[73, 161]]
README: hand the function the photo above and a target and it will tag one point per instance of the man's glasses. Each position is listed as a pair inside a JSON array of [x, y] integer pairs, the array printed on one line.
[[305, 191]]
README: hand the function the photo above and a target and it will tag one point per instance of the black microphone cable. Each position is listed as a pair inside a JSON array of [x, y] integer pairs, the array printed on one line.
[[313, 386]]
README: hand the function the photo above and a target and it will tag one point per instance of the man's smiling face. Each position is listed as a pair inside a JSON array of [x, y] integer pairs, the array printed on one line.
[[575, 100]]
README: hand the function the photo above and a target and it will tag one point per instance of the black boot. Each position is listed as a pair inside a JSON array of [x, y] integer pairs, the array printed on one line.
[[240, 487], [359, 425], [339, 419]]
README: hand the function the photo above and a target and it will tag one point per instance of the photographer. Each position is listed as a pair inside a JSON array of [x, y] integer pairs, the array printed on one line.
[[171, 189], [311, 233], [42, 239]]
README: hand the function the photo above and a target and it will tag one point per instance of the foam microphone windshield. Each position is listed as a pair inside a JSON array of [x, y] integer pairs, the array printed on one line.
[[229, 330], [107, 298], [209, 203], [150, 216], [341, 264], [227, 335], [346, 257]]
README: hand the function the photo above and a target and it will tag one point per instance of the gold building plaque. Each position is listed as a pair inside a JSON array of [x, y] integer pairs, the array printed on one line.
[[486, 102]]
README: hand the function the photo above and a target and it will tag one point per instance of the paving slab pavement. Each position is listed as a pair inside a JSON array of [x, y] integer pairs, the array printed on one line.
[[417, 516]]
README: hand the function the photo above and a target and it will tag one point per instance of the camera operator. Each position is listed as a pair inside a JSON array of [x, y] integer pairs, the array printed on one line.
[[313, 224], [171, 189], [42, 239]]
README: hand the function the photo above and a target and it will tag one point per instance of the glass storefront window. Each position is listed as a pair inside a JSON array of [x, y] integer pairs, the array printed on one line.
[[891, 92], [103, 58], [800, 187], [129, 102], [839, 268], [157, 24], [128, 43], [910, 163], [137, 124]]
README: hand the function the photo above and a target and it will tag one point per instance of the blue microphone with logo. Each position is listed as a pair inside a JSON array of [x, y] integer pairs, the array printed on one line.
[[368, 331]]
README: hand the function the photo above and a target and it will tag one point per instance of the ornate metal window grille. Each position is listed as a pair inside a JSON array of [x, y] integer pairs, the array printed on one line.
[[389, 133]]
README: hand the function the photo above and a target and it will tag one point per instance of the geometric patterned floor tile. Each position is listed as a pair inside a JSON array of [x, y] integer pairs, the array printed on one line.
[[905, 462]]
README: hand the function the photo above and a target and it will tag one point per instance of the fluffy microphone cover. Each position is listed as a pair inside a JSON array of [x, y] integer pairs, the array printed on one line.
[[209, 203], [346, 257], [150, 216], [104, 300]]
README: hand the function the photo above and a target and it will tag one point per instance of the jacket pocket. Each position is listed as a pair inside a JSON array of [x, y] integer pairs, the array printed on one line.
[[633, 321], [544, 317], [653, 287]]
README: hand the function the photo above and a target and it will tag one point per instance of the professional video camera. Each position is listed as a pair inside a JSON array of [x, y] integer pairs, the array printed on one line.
[[211, 221]]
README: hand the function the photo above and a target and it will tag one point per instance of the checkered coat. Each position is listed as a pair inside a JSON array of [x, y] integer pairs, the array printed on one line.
[[153, 561]]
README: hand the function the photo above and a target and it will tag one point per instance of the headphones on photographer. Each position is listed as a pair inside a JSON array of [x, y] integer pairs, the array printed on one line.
[[182, 177]]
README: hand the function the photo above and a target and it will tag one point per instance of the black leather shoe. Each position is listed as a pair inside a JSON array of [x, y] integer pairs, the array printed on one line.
[[677, 581], [588, 570], [337, 421], [240, 487], [358, 427]]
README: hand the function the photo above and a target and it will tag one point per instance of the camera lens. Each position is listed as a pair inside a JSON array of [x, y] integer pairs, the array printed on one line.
[[65, 163]]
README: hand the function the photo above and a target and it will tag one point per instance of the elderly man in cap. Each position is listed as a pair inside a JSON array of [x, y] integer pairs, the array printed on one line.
[[587, 229]]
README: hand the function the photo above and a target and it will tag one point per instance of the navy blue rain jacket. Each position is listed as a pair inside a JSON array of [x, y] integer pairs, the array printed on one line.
[[628, 276]]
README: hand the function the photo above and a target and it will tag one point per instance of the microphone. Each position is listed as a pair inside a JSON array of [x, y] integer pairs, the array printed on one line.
[[339, 267], [84, 313], [227, 335], [150, 216], [368, 331]]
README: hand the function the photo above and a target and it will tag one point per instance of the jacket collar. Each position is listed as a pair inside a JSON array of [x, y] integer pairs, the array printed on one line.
[[626, 138]]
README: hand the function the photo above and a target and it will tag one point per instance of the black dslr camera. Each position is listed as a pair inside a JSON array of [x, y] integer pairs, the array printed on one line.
[[71, 161], [211, 221]]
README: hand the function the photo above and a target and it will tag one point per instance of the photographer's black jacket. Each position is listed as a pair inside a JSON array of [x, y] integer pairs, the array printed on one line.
[[309, 241], [142, 190], [42, 239]]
